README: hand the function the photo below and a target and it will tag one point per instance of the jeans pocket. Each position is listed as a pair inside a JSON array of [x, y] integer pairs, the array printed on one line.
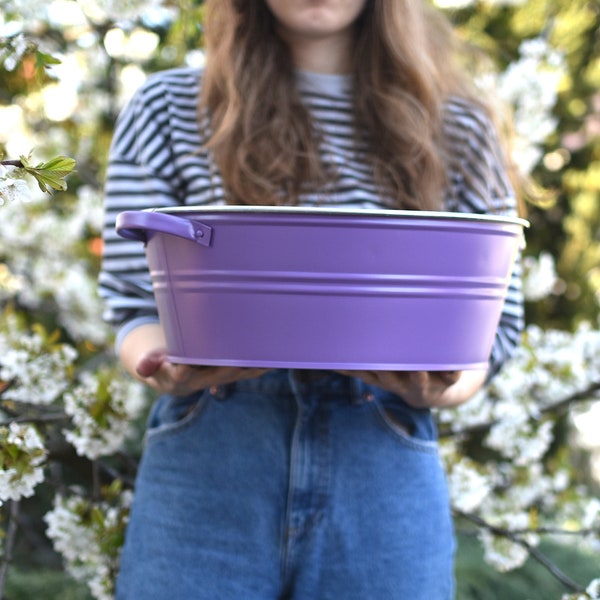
[[410, 426], [171, 414]]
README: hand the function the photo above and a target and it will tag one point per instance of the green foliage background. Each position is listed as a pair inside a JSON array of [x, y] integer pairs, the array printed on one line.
[[566, 223]]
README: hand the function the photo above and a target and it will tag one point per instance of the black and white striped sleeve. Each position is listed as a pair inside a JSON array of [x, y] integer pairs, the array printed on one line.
[[481, 185], [140, 175]]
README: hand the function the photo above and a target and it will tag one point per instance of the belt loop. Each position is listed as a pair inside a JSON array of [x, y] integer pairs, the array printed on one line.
[[357, 387]]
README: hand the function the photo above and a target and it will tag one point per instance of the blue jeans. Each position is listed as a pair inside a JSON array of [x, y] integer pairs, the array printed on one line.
[[298, 486]]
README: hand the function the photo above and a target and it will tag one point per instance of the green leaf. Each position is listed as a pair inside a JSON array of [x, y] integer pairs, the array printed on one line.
[[50, 175], [97, 517], [43, 60]]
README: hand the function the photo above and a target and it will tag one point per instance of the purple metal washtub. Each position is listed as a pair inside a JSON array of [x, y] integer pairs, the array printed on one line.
[[321, 288]]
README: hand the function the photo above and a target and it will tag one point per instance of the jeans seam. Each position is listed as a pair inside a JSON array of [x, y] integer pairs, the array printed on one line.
[[289, 538]]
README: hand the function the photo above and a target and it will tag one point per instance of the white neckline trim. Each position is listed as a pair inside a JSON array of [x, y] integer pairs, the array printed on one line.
[[331, 84]]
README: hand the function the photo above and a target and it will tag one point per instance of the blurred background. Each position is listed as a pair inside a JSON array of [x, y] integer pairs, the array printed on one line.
[[66, 69]]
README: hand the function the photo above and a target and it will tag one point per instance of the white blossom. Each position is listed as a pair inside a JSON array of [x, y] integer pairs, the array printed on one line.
[[14, 190], [38, 371], [22, 456], [521, 440], [10, 284], [539, 276], [502, 553], [69, 537], [547, 368], [79, 306], [118, 10], [478, 410], [591, 515], [530, 86], [580, 514], [560, 481], [593, 589], [592, 592], [30, 12], [468, 487], [102, 408], [78, 529], [59, 275], [527, 486], [13, 54], [586, 420]]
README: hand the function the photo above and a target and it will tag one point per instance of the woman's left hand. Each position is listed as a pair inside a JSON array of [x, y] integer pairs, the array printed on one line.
[[426, 389]]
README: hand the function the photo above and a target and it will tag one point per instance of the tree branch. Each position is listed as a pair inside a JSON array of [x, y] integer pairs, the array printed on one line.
[[37, 420], [9, 543], [12, 163], [582, 396], [533, 552], [480, 428], [557, 531]]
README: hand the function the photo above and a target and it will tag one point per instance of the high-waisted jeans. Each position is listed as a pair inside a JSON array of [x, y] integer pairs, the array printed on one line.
[[296, 485]]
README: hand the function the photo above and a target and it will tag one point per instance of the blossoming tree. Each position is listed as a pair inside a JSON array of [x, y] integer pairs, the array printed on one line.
[[69, 418]]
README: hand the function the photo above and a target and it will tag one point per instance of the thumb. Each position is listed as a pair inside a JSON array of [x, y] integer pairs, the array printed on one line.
[[150, 363]]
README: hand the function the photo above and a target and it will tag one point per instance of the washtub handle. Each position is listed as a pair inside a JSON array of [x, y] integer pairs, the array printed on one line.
[[136, 224]]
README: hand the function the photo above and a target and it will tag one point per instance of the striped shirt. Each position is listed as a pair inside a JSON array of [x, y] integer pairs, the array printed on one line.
[[156, 160]]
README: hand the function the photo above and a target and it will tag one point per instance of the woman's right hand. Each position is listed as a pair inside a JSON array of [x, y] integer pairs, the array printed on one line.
[[143, 355]]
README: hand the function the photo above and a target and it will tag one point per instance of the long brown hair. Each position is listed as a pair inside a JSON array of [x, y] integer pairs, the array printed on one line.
[[261, 136]]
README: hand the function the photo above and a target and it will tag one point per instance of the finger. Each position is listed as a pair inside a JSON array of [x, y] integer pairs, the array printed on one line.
[[369, 377], [448, 377], [171, 378], [419, 379], [205, 377], [351, 373]]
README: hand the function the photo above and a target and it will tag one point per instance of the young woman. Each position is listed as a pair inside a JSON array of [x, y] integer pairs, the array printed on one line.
[[265, 485]]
